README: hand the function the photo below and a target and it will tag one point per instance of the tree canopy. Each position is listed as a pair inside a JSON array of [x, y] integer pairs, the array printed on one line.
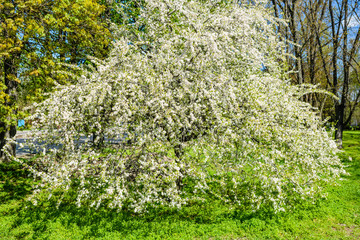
[[35, 36], [183, 108]]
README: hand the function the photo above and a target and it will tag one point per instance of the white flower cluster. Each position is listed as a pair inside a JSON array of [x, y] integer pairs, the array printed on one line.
[[191, 101]]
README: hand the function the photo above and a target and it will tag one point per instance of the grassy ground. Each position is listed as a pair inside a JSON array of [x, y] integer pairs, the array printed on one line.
[[337, 217]]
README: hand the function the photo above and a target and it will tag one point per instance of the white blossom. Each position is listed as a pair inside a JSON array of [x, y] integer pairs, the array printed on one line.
[[190, 113]]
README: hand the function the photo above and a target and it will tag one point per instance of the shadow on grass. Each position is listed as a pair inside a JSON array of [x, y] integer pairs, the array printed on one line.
[[92, 223], [96, 223], [15, 183], [45, 217]]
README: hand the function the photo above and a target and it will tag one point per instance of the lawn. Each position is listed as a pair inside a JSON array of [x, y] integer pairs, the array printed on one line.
[[337, 217]]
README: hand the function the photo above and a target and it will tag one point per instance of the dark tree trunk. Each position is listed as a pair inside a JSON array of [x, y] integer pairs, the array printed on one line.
[[10, 67], [339, 113], [339, 105], [8, 127]]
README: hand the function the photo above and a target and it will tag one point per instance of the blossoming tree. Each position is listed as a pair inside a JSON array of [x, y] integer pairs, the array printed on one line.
[[194, 103]]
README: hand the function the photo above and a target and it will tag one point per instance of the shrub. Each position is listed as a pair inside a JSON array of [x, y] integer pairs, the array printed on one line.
[[192, 101]]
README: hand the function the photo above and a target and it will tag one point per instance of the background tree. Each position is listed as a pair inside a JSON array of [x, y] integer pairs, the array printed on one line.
[[36, 35], [324, 37], [346, 44]]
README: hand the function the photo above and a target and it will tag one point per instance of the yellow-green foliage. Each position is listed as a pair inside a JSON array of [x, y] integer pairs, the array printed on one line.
[[38, 34]]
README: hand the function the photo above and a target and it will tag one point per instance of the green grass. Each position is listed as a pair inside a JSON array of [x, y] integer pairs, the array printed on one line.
[[337, 217]]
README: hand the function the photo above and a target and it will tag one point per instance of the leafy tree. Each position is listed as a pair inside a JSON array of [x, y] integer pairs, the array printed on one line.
[[182, 110], [131, 11], [34, 36], [325, 39]]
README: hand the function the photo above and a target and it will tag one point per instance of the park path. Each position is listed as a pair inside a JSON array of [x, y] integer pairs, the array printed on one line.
[[22, 136]]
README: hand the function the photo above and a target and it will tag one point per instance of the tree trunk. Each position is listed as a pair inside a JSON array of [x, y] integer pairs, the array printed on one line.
[[8, 127], [339, 113], [339, 106]]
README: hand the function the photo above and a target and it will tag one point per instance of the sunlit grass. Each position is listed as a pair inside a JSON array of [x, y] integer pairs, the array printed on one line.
[[337, 217]]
